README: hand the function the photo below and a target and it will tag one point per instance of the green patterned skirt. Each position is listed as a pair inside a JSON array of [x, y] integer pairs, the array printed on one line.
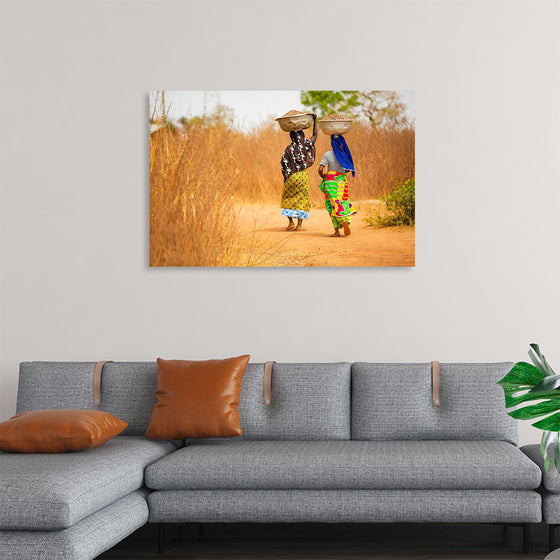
[[335, 188]]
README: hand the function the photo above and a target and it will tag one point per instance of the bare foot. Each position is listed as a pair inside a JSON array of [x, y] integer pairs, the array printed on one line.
[[298, 228], [336, 234], [346, 228]]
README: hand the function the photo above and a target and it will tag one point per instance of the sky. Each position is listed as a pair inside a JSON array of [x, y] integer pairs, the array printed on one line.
[[250, 107]]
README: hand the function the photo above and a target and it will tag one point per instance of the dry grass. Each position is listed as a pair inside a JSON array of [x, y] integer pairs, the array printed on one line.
[[197, 173], [192, 182], [380, 157]]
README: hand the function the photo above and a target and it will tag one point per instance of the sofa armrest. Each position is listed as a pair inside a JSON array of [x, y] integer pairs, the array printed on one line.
[[551, 479]]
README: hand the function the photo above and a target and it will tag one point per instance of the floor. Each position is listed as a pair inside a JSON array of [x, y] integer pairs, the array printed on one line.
[[330, 542]]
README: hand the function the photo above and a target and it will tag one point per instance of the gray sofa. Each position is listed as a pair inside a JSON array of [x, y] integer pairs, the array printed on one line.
[[550, 491], [340, 442]]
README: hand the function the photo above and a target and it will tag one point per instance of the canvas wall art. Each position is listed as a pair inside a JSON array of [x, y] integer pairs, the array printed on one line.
[[282, 178]]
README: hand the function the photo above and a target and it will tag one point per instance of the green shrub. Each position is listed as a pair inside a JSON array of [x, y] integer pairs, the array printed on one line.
[[400, 207]]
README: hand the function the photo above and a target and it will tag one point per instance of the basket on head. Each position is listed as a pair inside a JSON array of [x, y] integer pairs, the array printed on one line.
[[295, 120], [335, 124]]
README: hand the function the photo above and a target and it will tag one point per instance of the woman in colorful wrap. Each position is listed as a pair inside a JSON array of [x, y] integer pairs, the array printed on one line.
[[298, 156], [335, 186]]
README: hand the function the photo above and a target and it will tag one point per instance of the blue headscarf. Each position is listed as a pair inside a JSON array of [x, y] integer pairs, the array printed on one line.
[[342, 153]]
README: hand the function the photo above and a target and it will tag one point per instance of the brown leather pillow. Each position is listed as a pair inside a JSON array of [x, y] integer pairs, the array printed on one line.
[[197, 399], [58, 431]]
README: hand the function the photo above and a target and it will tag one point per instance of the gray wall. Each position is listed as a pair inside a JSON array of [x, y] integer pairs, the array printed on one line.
[[75, 284]]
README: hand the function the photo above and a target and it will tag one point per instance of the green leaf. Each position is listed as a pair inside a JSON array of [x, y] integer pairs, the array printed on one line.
[[547, 437], [536, 361], [540, 362], [547, 384], [536, 410], [550, 445], [550, 423], [545, 363], [514, 397], [535, 347], [556, 451], [525, 383], [522, 375]]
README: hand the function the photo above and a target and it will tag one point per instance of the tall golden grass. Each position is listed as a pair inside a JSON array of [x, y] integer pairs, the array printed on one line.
[[381, 157], [198, 173], [192, 182]]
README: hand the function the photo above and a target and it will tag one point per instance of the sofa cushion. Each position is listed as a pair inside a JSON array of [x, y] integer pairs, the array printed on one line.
[[309, 402], [45, 385], [551, 508], [394, 401], [197, 399], [54, 491], [58, 430], [127, 389], [550, 478], [85, 540], [351, 506], [345, 465]]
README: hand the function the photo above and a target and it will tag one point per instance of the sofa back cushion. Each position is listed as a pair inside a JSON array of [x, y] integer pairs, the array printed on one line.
[[309, 401], [44, 385], [394, 402], [127, 389]]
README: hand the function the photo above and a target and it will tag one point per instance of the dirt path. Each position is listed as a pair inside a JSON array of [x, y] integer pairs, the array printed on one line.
[[272, 245]]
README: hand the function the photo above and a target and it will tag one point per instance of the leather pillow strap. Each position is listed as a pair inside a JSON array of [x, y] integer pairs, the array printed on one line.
[[97, 371], [435, 384], [267, 392]]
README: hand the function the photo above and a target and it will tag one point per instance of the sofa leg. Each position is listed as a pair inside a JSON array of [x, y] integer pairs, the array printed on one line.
[[161, 538], [551, 543], [525, 538]]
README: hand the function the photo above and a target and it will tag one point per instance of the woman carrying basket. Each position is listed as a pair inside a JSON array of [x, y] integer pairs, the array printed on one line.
[[335, 186], [297, 157]]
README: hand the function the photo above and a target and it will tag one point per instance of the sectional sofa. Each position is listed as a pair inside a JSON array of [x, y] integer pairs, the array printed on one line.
[[339, 442], [550, 491]]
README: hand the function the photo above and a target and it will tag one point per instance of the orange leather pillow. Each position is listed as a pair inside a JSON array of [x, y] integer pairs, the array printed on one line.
[[58, 431], [197, 399]]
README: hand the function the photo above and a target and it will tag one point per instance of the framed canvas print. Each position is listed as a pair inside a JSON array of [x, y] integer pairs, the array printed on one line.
[[282, 178]]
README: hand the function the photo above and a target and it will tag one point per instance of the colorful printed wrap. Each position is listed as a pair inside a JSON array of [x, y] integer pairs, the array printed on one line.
[[335, 188], [295, 196]]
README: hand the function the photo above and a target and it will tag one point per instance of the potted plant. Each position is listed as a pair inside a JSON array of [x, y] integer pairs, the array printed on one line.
[[526, 383]]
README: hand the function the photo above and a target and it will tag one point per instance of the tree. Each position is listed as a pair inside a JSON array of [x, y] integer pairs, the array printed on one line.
[[219, 115], [383, 108], [379, 108], [222, 114], [325, 102]]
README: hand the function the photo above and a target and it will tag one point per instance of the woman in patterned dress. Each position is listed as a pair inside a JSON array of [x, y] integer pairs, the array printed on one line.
[[297, 157], [334, 185]]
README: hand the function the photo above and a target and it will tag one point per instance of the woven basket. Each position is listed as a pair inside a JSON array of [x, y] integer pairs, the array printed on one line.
[[295, 122], [335, 127]]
